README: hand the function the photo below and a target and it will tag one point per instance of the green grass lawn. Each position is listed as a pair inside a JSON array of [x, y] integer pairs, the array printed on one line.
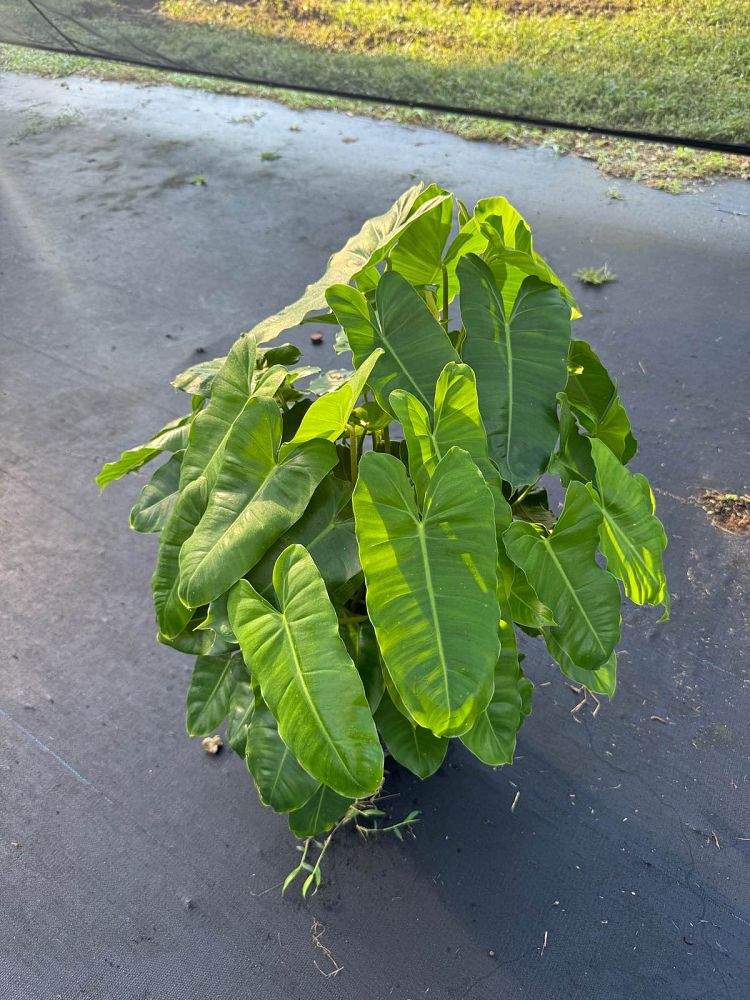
[[676, 67], [673, 169]]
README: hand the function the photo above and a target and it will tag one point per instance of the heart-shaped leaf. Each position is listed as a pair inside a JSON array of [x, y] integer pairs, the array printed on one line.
[[520, 358], [210, 689], [415, 748], [307, 677], [431, 583], [254, 500], [361, 252], [561, 567], [156, 501], [282, 784], [492, 738], [416, 347], [632, 537]]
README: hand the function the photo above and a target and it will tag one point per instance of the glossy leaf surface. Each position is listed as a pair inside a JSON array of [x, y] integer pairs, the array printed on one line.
[[326, 530], [415, 748], [362, 251], [419, 252], [583, 598], [156, 500], [603, 680], [593, 396], [241, 709], [431, 585], [492, 738], [171, 614], [210, 690], [520, 358], [455, 422], [319, 814], [254, 500], [307, 677], [172, 437], [230, 391], [329, 414], [282, 784], [415, 346], [632, 537]]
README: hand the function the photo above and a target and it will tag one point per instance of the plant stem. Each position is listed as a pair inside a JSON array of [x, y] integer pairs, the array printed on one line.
[[352, 619], [353, 454], [387, 439], [444, 318], [523, 493]]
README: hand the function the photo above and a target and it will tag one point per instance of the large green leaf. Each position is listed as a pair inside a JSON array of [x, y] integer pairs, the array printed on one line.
[[362, 251], [155, 502], [172, 437], [241, 710], [419, 252], [194, 640], [197, 379], [307, 677], [431, 584], [210, 689], [603, 680], [326, 530], [217, 620], [520, 359], [318, 814], [510, 265], [282, 784], [583, 598], [254, 500], [455, 422], [171, 614], [230, 391], [572, 460], [632, 537], [329, 414], [517, 597], [593, 396], [203, 456], [415, 748], [366, 656], [492, 738], [508, 228], [499, 232], [416, 346]]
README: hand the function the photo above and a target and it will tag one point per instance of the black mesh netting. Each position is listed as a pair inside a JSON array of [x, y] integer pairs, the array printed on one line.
[[644, 68]]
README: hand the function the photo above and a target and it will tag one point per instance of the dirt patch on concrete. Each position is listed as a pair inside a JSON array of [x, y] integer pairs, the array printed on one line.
[[728, 511]]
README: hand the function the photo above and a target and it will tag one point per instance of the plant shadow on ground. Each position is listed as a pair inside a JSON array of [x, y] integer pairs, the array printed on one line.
[[497, 888]]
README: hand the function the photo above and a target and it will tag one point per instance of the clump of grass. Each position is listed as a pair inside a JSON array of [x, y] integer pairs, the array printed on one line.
[[198, 180], [595, 275], [270, 156], [38, 124], [614, 193]]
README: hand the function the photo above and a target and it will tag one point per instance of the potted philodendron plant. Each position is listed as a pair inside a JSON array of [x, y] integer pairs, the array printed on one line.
[[349, 562]]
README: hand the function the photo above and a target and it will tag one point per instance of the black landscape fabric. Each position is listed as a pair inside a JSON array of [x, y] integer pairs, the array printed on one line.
[[132, 864], [660, 70]]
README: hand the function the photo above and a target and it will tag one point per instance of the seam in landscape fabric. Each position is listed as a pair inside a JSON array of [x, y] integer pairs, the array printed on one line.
[[50, 29]]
